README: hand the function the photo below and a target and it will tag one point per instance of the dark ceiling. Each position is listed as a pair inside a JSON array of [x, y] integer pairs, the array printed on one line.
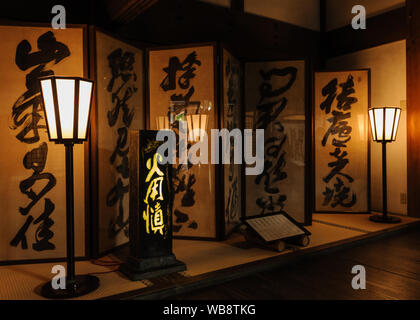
[[166, 22]]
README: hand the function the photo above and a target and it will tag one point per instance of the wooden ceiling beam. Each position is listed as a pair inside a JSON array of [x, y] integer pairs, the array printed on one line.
[[125, 11]]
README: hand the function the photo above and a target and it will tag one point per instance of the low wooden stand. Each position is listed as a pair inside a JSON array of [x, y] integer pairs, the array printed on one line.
[[277, 245]]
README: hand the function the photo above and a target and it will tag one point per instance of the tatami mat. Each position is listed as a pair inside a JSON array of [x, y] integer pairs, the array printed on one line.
[[207, 256], [323, 234], [22, 282], [357, 221], [201, 257]]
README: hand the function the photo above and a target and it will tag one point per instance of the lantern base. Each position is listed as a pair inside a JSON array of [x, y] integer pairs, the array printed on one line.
[[83, 284], [146, 268], [381, 219]]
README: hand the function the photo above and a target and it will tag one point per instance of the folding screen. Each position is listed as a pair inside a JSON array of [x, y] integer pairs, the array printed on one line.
[[276, 101], [32, 171], [118, 69], [231, 104], [185, 80], [341, 144]]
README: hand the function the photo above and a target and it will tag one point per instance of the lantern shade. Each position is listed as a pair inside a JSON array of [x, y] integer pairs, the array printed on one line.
[[193, 114], [67, 103], [384, 123], [197, 125], [162, 123]]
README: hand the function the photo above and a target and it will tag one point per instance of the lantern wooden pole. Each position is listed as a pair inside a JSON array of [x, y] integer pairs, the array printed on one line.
[[70, 213], [384, 187], [384, 218]]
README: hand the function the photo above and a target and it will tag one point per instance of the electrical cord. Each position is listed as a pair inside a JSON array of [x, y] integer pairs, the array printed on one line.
[[104, 263]]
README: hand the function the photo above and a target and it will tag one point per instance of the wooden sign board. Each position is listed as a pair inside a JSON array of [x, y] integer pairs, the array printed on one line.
[[150, 211], [274, 227], [150, 197]]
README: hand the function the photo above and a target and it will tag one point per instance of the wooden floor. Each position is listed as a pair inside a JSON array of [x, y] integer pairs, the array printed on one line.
[[392, 272]]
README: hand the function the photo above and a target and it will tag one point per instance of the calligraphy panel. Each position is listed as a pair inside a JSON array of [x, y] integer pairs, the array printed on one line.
[[187, 74], [232, 118], [341, 141], [119, 103], [275, 100], [32, 173]]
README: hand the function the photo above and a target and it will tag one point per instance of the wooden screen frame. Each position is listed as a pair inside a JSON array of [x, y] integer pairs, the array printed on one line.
[[218, 168], [223, 233], [309, 204], [87, 189], [368, 144], [93, 139]]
